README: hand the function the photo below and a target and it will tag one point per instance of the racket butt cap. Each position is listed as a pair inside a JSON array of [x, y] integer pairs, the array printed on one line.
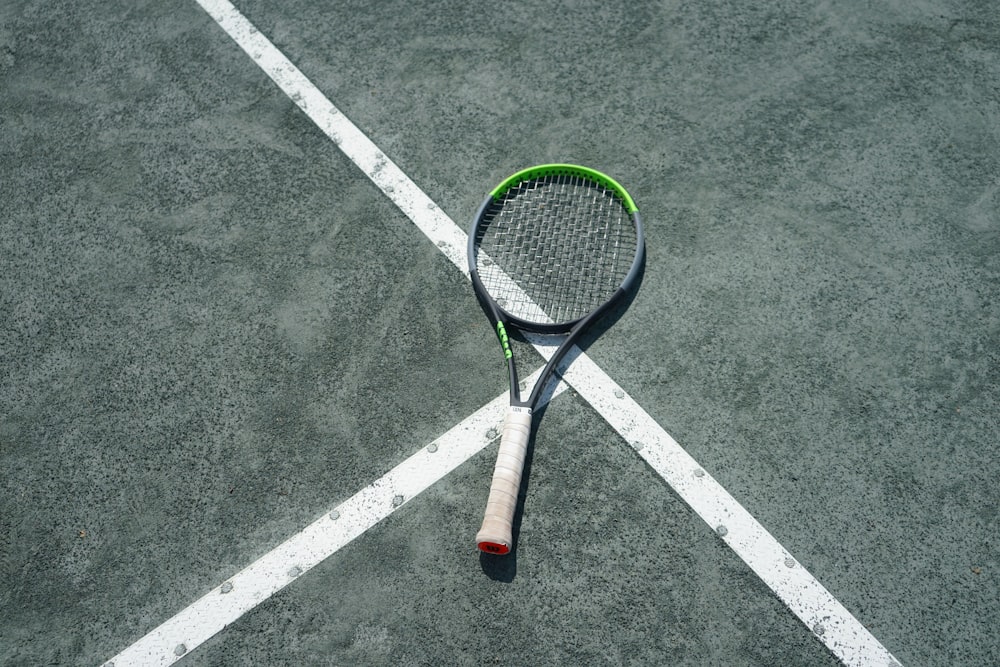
[[495, 548]]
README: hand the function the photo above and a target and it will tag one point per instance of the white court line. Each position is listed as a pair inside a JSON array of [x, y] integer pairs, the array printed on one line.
[[225, 603], [823, 614]]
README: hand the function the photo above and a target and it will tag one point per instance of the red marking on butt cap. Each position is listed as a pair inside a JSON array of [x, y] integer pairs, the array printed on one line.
[[494, 548]]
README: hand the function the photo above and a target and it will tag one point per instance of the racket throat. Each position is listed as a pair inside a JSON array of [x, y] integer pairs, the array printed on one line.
[[504, 340]]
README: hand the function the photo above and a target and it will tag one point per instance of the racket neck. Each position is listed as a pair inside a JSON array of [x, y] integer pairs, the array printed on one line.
[[500, 329], [515, 387], [557, 357]]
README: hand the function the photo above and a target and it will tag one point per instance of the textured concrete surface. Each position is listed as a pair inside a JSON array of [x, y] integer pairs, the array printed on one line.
[[213, 327]]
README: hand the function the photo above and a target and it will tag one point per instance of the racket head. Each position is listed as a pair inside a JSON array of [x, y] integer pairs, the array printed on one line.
[[553, 244]]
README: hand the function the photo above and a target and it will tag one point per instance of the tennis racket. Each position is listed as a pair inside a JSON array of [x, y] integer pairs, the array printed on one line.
[[551, 250]]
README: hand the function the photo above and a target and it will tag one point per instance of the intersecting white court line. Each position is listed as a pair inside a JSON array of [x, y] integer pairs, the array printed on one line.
[[276, 569], [823, 614]]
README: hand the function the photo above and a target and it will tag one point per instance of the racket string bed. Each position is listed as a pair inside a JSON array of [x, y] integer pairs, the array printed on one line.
[[563, 241]]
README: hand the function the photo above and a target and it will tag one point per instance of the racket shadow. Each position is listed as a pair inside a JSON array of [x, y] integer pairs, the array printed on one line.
[[598, 328]]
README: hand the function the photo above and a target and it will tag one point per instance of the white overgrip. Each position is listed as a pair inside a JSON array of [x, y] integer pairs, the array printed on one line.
[[496, 534]]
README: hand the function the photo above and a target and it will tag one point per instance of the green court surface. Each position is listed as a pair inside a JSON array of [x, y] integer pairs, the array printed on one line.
[[232, 303]]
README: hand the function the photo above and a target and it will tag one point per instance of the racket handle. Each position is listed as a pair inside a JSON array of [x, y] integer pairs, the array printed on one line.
[[496, 535]]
